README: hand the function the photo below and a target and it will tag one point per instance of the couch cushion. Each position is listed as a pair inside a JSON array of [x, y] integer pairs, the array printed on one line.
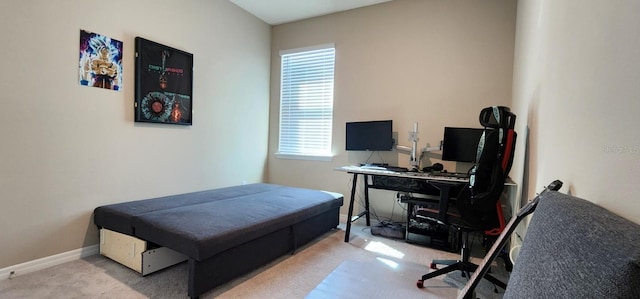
[[576, 249], [202, 230], [118, 217]]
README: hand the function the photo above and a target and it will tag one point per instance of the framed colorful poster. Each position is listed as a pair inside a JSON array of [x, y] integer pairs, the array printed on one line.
[[100, 61], [164, 84]]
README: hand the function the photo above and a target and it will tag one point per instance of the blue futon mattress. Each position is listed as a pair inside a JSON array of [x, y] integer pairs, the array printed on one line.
[[202, 224]]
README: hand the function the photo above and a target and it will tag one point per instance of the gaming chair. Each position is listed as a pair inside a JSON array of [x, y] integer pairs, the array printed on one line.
[[477, 205]]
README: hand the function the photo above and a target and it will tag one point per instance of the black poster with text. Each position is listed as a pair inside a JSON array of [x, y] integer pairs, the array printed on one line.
[[164, 84]]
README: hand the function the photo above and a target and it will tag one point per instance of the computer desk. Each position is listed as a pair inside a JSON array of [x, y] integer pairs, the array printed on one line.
[[444, 184]]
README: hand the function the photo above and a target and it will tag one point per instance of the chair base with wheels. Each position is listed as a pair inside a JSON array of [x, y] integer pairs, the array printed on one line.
[[464, 265]]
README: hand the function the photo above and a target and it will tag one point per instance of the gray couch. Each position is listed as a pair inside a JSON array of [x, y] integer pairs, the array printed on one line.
[[229, 231], [576, 249]]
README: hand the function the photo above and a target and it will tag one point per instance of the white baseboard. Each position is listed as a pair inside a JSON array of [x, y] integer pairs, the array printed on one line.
[[46, 262]]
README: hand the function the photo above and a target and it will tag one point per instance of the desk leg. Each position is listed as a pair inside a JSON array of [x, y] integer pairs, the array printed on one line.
[[350, 214], [445, 193], [366, 199]]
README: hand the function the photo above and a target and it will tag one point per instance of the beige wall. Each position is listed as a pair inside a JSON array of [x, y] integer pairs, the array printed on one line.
[[67, 149], [437, 63], [576, 92]]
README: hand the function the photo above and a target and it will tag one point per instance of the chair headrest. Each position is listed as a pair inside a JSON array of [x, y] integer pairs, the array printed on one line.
[[497, 117]]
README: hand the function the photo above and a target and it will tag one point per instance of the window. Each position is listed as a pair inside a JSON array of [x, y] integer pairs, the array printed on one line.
[[306, 103]]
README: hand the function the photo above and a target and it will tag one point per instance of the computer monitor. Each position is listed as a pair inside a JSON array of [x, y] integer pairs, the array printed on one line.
[[369, 136], [460, 144]]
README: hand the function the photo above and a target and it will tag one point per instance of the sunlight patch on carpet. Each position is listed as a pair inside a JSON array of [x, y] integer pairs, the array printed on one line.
[[381, 248]]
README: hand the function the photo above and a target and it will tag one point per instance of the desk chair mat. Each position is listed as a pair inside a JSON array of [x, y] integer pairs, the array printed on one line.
[[391, 278], [378, 278]]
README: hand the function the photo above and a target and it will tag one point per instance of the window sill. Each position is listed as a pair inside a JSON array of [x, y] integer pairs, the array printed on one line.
[[303, 157]]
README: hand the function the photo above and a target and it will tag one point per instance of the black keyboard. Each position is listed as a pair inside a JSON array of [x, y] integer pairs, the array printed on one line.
[[396, 168]]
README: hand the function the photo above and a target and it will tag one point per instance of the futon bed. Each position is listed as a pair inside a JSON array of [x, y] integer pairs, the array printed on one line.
[[223, 233]]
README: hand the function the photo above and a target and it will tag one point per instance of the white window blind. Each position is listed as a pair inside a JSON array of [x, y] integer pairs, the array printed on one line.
[[306, 101]]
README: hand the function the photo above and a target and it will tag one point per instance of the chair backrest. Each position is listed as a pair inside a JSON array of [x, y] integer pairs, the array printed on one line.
[[477, 202]]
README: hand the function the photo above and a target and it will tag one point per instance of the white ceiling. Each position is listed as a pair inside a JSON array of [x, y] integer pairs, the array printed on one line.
[[276, 12]]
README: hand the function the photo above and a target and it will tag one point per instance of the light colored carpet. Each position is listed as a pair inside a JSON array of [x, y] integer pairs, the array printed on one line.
[[292, 276]]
